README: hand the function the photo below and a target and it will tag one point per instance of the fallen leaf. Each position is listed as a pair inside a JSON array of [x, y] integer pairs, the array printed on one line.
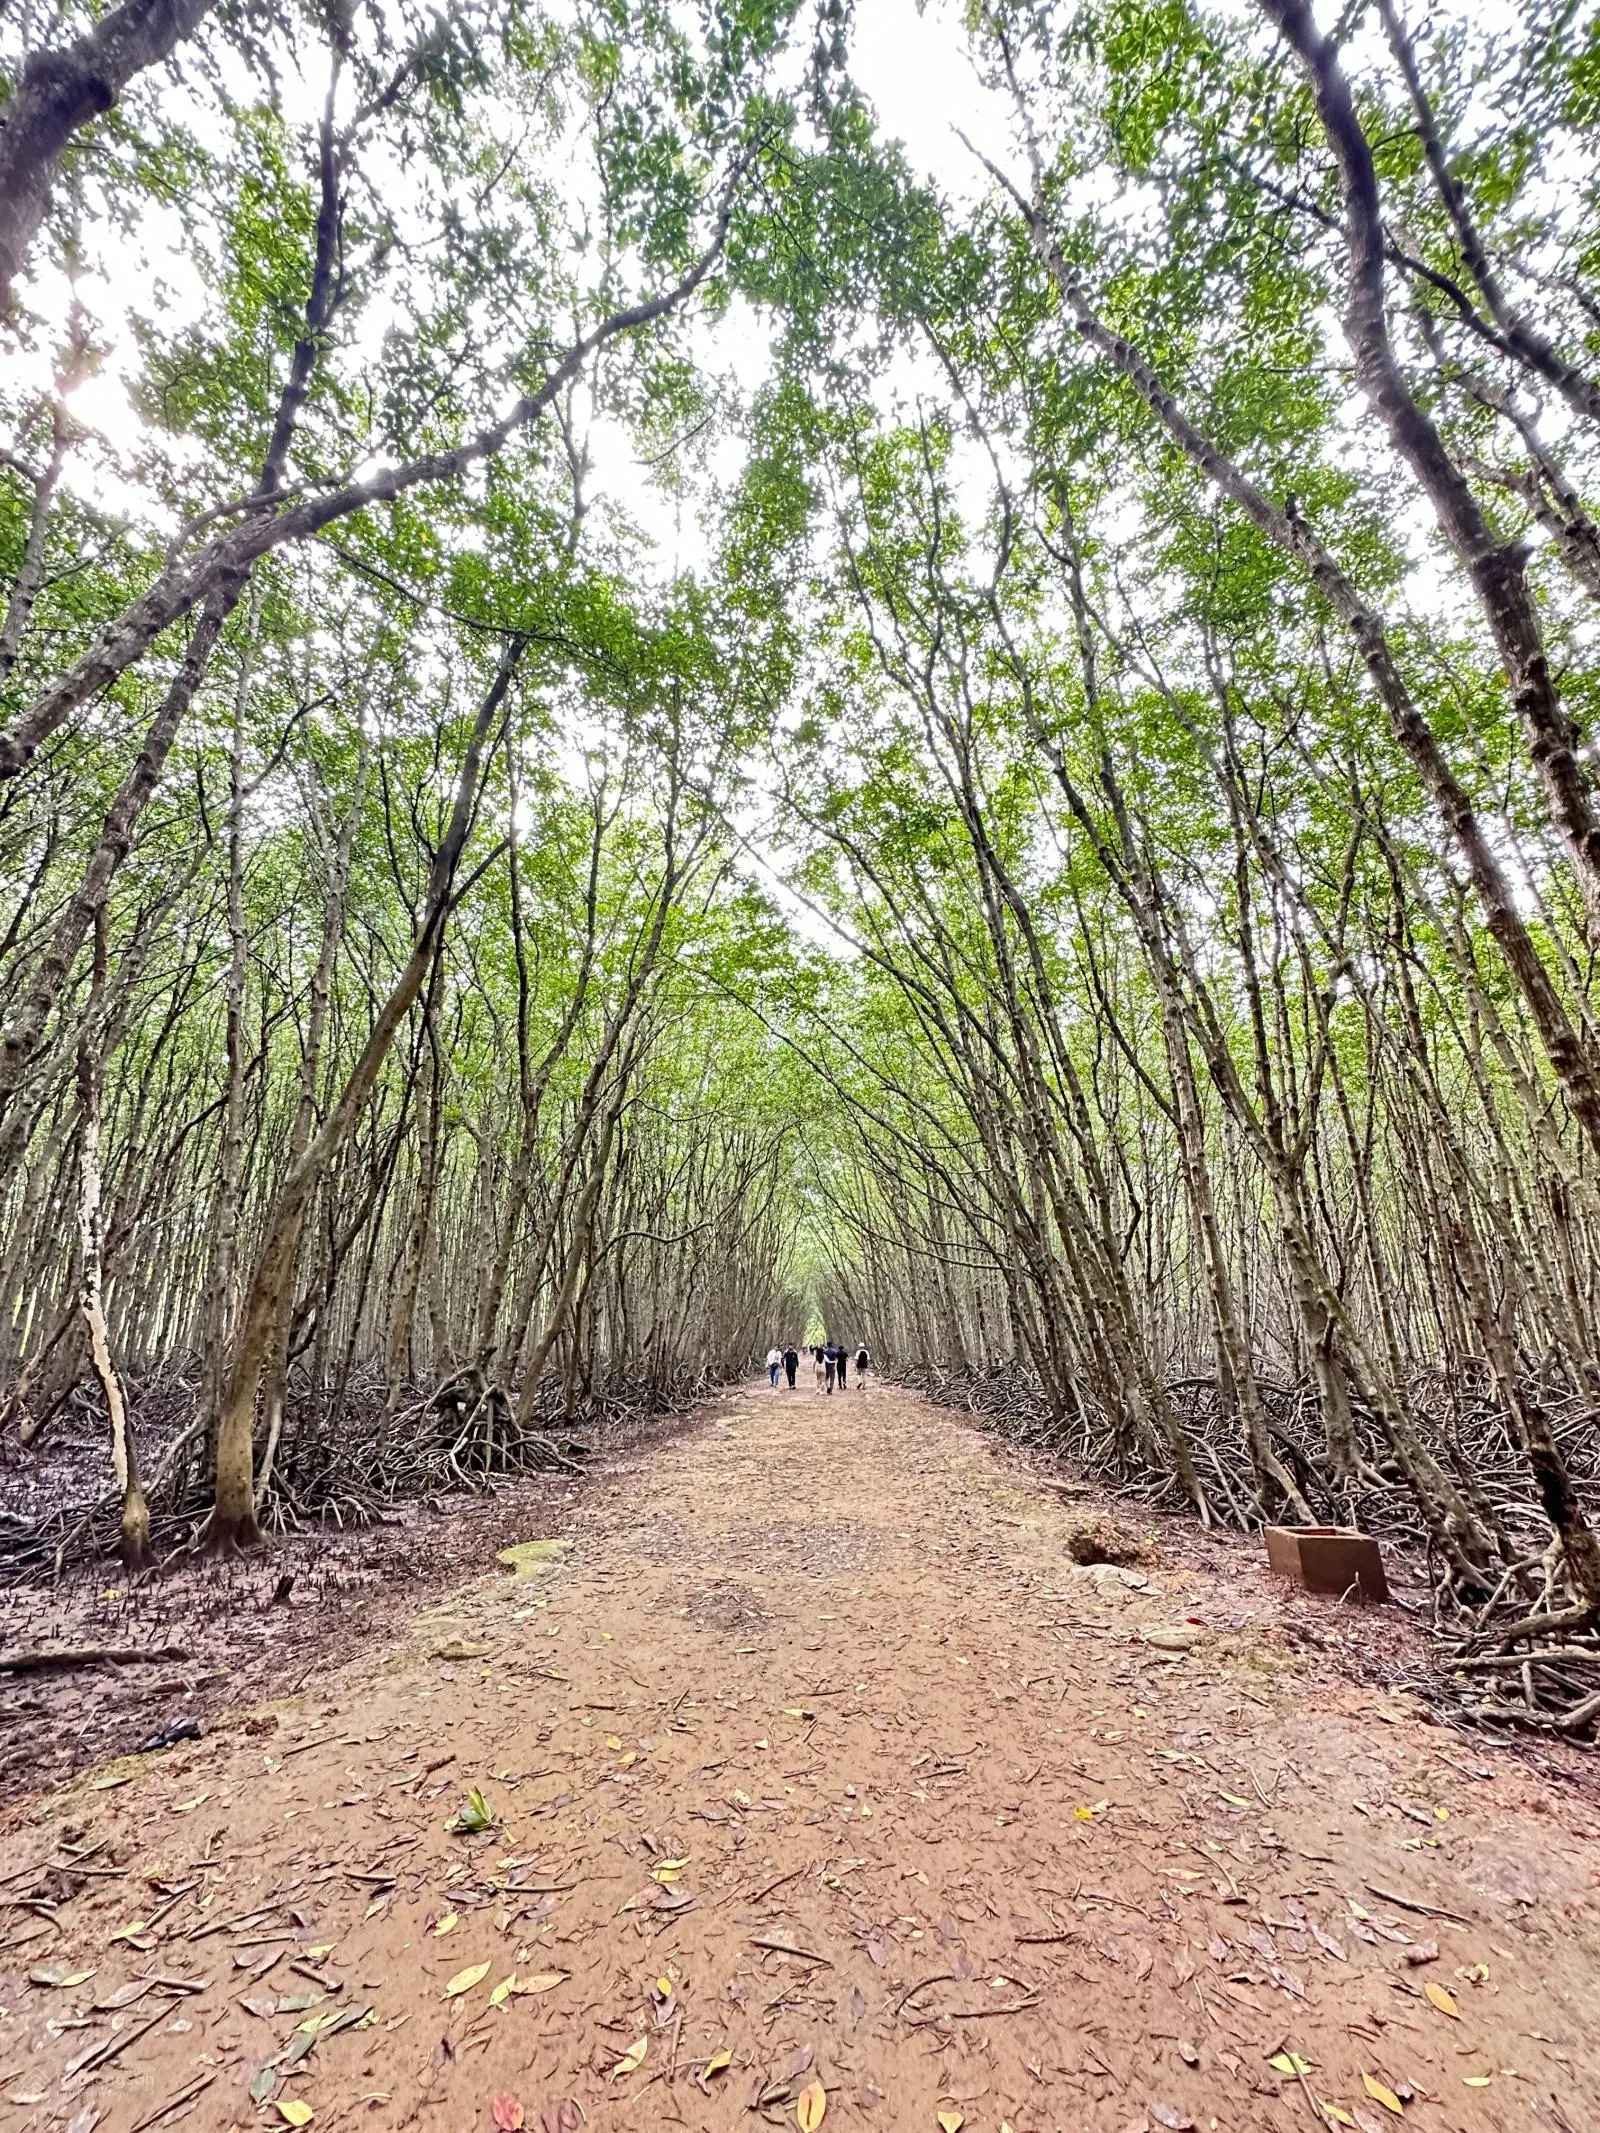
[[951, 2121], [669, 1870], [1289, 2063], [563, 2116], [1084, 1814], [811, 2107], [187, 1807], [1233, 1799], [541, 1981], [1476, 2081], [445, 1925], [1332, 2110], [718, 2063], [58, 1974], [1379, 2094], [1174, 2121], [632, 2059], [506, 2111], [1444, 2001], [503, 1991], [295, 2113], [464, 1980]]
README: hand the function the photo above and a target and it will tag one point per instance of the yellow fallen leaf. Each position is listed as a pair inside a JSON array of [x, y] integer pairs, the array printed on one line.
[[464, 1980], [187, 1807], [323, 1947], [1476, 2081], [626, 1762], [1084, 1814], [1234, 1800], [1332, 2110], [1379, 2094], [545, 1981], [140, 1925], [612, 1741], [1289, 2063], [811, 2107], [503, 1991], [632, 2059], [951, 2121], [378, 1903], [718, 2063], [670, 1869], [445, 1925], [295, 2113], [1444, 2001]]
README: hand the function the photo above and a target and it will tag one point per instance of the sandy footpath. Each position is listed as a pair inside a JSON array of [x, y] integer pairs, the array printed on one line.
[[818, 1779]]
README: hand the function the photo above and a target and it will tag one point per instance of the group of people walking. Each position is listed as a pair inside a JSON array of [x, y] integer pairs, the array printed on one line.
[[831, 1365]]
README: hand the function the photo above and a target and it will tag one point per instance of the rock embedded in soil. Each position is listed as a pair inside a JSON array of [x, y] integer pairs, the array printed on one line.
[[1105, 1540], [529, 1559]]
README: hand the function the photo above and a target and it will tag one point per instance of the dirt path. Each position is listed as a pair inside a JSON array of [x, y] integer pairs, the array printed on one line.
[[815, 1761]]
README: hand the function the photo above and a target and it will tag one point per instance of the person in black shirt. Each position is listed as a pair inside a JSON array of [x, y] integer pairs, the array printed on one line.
[[844, 1358], [862, 1361], [791, 1363]]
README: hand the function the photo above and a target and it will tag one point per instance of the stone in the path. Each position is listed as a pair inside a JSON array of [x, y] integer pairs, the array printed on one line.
[[1104, 1540], [529, 1558]]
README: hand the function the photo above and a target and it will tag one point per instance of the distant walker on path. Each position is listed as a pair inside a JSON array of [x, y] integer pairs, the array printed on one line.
[[862, 1362], [791, 1364]]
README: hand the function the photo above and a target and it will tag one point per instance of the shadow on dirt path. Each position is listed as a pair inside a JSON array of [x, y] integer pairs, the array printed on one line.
[[820, 1778]]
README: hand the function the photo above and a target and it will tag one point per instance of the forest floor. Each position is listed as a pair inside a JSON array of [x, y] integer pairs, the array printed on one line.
[[821, 1778]]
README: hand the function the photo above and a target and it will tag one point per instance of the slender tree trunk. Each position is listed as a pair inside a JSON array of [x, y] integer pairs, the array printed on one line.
[[232, 1522], [124, 1456]]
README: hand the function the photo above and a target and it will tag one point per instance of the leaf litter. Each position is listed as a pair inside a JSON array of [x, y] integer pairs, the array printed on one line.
[[1000, 1746]]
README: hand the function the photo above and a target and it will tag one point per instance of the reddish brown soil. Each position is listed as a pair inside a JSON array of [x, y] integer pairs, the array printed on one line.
[[816, 1751]]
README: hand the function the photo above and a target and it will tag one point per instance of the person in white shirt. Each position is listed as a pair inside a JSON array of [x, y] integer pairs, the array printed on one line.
[[774, 1365]]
